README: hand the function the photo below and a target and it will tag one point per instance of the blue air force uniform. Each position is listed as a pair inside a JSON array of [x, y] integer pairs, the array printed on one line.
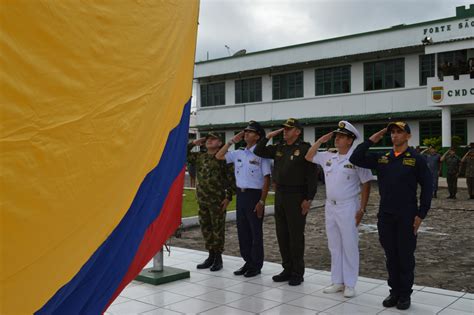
[[250, 171], [398, 179]]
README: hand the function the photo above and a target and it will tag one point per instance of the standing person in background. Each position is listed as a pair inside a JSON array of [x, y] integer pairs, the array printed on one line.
[[252, 175], [452, 166], [399, 172], [192, 174], [434, 164], [215, 186], [468, 165], [296, 182], [344, 210]]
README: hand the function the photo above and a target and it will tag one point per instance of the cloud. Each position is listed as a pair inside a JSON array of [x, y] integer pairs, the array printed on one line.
[[264, 24]]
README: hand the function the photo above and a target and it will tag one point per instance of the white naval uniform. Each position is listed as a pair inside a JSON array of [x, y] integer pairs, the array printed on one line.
[[343, 180]]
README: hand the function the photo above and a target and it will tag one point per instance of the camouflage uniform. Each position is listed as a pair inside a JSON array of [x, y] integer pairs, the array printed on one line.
[[469, 172], [215, 182], [452, 165]]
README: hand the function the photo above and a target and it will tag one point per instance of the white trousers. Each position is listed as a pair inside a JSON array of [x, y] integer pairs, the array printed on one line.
[[343, 241]]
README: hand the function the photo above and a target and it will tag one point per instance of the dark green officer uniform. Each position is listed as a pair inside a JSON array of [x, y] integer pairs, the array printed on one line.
[[296, 181], [453, 163]]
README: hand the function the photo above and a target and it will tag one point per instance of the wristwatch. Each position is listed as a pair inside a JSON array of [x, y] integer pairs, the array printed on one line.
[[261, 202]]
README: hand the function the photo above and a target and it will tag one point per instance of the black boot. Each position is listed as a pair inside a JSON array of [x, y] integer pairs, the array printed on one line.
[[208, 262], [217, 265]]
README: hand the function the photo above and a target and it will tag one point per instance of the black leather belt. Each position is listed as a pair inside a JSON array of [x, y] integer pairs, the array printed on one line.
[[247, 189]]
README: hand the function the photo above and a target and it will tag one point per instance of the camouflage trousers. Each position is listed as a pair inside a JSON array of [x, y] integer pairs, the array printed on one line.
[[212, 222]]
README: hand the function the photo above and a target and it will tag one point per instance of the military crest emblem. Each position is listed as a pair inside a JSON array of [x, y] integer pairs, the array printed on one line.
[[437, 94]]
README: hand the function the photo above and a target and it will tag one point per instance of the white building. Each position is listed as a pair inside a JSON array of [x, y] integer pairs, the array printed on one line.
[[420, 73]]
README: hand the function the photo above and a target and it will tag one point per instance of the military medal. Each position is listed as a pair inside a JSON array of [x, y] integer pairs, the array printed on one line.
[[297, 153]]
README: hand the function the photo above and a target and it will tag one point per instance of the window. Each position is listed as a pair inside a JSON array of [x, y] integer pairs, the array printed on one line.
[[369, 130], [248, 90], [289, 85], [452, 63], [333, 80], [429, 129], [459, 128], [321, 131], [213, 94], [427, 68], [432, 129], [387, 74]]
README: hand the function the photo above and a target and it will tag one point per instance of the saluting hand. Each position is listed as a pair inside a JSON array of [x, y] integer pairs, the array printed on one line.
[[238, 137], [199, 141], [376, 137], [274, 133], [325, 138], [416, 224], [305, 205], [224, 204]]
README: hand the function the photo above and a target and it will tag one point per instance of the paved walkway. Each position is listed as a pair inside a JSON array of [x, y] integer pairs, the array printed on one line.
[[223, 293]]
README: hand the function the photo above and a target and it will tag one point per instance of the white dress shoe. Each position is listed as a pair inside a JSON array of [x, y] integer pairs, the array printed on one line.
[[349, 292], [334, 288]]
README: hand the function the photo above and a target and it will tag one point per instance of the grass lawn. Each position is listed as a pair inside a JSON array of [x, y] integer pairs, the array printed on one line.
[[190, 205]]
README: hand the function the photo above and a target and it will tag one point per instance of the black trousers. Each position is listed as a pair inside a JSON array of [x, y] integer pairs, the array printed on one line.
[[452, 184], [249, 228], [290, 225], [399, 243]]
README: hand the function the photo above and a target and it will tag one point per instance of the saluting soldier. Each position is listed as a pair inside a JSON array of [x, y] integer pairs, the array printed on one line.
[[344, 210], [296, 181], [252, 174], [215, 186], [398, 172], [468, 165], [453, 163]]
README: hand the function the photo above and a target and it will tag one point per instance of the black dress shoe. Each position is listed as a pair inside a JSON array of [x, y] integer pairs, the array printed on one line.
[[404, 303], [241, 271], [251, 273], [282, 277], [295, 280], [390, 301]]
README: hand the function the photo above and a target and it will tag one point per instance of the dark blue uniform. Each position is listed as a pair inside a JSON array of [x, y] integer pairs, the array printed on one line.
[[398, 179]]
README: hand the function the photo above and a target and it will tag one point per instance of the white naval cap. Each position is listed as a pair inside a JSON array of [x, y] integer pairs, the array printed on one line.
[[347, 128]]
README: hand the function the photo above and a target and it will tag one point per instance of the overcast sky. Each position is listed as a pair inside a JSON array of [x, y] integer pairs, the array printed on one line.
[[263, 24]]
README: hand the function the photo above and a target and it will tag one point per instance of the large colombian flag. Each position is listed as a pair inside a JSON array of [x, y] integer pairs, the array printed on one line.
[[94, 109]]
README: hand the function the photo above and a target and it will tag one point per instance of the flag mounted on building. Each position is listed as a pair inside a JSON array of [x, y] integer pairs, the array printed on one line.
[[94, 109]]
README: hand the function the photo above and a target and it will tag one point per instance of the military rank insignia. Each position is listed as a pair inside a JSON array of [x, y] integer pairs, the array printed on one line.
[[409, 161], [349, 166], [328, 163], [254, 162], [279, 154], [383, 160]]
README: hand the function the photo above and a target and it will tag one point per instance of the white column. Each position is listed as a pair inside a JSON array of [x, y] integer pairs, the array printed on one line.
[[446, 126], [309, 134]]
